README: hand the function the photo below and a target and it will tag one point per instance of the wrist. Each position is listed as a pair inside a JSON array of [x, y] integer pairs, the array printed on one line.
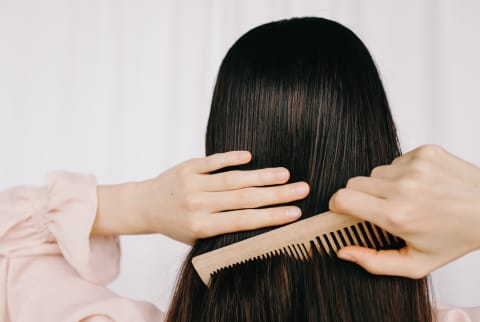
[[119, 210], [478, 216]]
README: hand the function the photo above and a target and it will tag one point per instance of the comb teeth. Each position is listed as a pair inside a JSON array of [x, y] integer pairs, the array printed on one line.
[[366, 234], [362, 234], [327, 233]]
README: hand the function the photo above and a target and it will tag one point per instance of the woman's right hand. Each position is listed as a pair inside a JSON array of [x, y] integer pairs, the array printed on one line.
[[428, 197], [186, 202]]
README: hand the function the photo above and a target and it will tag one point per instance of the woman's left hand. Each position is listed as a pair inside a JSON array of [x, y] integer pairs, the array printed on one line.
[[428, 197], [186, 202]]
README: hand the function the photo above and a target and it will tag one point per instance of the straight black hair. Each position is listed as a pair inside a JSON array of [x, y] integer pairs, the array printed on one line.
[[303, 94]]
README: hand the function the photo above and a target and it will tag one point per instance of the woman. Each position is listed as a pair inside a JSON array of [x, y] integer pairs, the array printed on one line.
[[302, 93]]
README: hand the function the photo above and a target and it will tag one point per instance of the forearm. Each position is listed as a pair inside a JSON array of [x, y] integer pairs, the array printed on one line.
[[118, 211]]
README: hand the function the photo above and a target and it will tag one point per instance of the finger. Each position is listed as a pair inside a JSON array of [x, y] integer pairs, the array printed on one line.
[[394, 262], [373, 186], [387, 171], [407, 157], [360, 205], [220, 160], [249, 219], [242, 179], [255, 197]]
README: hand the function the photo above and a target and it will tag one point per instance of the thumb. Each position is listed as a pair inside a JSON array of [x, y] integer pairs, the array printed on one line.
[[395, 262]]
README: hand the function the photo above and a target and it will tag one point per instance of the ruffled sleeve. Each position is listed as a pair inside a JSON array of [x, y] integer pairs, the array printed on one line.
[[70, 211], [50, 268]]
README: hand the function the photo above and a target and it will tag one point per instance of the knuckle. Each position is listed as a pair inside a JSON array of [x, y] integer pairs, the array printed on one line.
[[198, 228], [406, 185], [379, 171], [393, 219], [210, 162], [429, 151], [276, 195], [261, 176], [193, 160], [236, 225], [194, 203], [352, 182], [375, 171], [229, 179], [341, 199], [399, 218], [181, 174], [246, 197], [274, 216], [186, 168], [356, 182], [419, 166], [213, 156]]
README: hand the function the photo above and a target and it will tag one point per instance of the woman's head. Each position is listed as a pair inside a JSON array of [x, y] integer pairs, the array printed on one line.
[[303, 94]]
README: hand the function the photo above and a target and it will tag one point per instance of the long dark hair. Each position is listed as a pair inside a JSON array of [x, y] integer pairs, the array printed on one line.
[[304, 94]]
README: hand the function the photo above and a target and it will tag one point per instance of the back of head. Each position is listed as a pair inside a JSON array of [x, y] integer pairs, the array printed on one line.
[[303, 94]]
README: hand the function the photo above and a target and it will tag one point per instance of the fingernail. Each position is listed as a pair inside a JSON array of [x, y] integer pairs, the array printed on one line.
[[347, 256], [281, 174], [293, 213], [300, 189]]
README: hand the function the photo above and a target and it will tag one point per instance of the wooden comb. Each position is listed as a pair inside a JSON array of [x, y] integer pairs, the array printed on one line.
[[327, 232]]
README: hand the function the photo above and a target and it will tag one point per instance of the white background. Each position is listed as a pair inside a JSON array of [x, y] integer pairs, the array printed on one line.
[[122, 89]]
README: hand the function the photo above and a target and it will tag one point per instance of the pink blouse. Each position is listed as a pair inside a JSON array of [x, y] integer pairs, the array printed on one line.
[[50, 270]]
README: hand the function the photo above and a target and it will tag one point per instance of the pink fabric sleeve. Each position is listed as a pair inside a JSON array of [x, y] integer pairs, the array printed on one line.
[[50, 270], [448, 313]]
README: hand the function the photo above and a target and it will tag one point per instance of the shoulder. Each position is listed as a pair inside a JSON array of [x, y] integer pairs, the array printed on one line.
[[450, 313]]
